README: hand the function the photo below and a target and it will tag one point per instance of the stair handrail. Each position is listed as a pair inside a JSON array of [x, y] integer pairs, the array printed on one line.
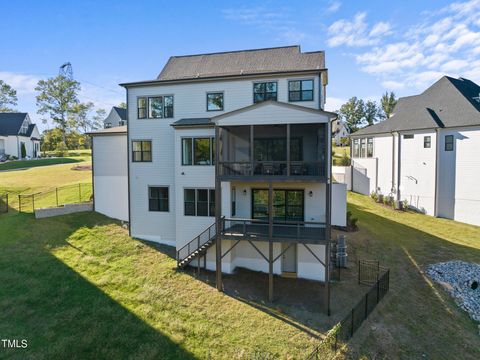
[[197, 240]]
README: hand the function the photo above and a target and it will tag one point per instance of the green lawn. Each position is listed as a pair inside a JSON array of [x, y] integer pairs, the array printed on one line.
[[74, 156], [417, 317], [44, 178], [338, 153]]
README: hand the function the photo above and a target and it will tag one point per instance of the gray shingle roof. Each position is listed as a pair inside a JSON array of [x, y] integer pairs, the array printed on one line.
[[244, 62], [10, 123], [193, 122], [121, 112], [447, 103]]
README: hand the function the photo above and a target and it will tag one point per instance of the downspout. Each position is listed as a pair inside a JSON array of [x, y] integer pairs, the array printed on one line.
[[399, 154], [93, 172], [128, 169], [393, 162], [437, 151]]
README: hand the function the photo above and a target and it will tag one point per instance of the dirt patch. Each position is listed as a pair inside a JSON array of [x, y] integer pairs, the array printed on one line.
[[82, 167]]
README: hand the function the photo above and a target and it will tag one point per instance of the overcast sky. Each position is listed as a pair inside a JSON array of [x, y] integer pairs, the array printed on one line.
[[371, 46]]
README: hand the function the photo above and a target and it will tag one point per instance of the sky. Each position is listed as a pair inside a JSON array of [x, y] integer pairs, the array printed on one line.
[[371, 46]]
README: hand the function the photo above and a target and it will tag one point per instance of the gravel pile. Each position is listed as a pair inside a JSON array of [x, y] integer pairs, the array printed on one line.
[[462, 281]]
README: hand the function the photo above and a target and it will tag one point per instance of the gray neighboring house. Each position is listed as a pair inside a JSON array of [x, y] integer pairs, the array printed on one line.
[[17, 131], [117, 117], [427, 152]]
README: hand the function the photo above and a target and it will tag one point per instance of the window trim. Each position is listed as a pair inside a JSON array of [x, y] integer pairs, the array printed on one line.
[[147, 102], [151, 150], [168, 197], [370, 141], [212, 153], [449, 143], [209, 201], [215, 92], [301, 95], [146, 108], [429, 137], [263, 82]]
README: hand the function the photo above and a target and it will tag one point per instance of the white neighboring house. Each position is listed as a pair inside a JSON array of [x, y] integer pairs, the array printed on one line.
[[116, 117], [109, 172], [339, 131], [17, 131], [427, 152], [235, 144]]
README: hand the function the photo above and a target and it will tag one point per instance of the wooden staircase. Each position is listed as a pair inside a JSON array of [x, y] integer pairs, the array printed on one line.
[[197, 247]]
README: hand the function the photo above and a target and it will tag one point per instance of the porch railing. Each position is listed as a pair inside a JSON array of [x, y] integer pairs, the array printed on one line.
[[272, 168], [254, 229]]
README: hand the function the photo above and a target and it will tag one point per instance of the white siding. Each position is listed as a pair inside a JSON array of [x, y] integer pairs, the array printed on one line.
[[110, 176], [417, 172]]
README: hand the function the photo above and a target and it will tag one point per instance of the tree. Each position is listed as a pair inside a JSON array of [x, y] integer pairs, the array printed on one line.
[[58, 98], [8, 96], [23, 151], [372, 112], [122, 105], [353, 113], [388, 102], [100, 115]]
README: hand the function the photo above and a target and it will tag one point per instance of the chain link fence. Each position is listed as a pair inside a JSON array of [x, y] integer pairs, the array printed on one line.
[[343, 331], [70, 194]]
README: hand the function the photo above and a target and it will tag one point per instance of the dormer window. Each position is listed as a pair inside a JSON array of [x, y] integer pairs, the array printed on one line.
[[264, 91]]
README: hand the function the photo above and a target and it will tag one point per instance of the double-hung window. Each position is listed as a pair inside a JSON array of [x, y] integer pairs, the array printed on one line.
[[155, 107], [263, 91], [449, 143], [215, 101], [370, 147], [199, 202], [356, 148], [158, 198], [300, 90], [198, 151], [141, 151]]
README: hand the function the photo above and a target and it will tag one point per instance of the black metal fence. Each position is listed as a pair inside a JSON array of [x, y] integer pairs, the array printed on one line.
[[344, 330], [58, 196], [3, 203]]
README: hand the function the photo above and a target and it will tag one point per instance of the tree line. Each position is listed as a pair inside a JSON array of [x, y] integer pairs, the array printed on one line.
[[357, 113], [58, 100]]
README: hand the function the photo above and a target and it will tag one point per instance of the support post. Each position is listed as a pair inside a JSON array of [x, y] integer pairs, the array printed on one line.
[[270, 242], [251, 150], [56, 194], [33, 202], [218, 211], [19, 203], [328, 230], [7, 202], [79, 192], [288, 150]]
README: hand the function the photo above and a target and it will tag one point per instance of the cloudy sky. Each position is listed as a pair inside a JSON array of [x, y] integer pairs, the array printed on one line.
[[371, 46]]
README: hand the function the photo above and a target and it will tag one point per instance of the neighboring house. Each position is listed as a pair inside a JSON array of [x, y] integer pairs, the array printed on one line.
[[17, 132], [428, 152], [235, 144], [117, 117], [339, 132], [109, 170]]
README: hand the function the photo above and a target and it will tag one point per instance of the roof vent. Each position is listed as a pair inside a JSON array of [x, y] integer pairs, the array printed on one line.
[[477, 98]]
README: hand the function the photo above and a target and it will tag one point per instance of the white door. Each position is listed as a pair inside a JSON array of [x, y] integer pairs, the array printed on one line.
[[289, 258]]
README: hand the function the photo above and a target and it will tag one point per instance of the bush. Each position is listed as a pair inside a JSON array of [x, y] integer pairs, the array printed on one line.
[[61, 150], [23, 151], [353, 222], [405, 204], [374, 196], [345, 160]]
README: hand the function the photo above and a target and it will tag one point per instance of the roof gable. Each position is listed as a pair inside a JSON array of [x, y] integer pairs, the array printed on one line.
[[11, 122], [244, 62]]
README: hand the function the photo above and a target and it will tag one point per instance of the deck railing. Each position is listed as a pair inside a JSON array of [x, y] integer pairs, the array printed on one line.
[[254, 229], [272, 168]]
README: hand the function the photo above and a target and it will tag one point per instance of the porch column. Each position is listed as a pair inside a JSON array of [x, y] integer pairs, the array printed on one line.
[[270, 242], [251, 150], [328, 229], [288, 149], [218, 212]]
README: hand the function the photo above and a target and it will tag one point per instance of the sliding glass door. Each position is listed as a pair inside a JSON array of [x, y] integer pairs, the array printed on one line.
[[288, 205]]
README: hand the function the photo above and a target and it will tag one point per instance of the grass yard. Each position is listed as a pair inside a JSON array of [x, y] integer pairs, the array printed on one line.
[[74, 156], [43, 178], [418, 319], [338, 153], [78, 287]]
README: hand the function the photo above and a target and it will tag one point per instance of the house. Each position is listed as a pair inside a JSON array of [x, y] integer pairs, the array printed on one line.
[[229, 161], [427, 152], [116, 117], [109, 172], [16, 133], [339, 132]]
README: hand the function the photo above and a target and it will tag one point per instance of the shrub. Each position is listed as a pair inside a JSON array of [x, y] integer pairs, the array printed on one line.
[[405, 204], [374, 195], [61, 150], [23, 151], [345, 160], [353, 222]]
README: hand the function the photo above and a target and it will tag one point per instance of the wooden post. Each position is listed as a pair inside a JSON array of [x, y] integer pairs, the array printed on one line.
[[56, 194], [7, 202], [19, 203], [218, 211], [270, 242], [288, 149], [33, 202], [251, 151], [79, 192]]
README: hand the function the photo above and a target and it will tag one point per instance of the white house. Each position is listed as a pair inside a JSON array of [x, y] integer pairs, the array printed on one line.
[[339, 131], [229, 161], [428, 152], [109, 171], [17, 132], [116, 117]]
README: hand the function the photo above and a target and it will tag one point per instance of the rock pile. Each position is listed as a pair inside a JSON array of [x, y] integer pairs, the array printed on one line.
[[462, 281]]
